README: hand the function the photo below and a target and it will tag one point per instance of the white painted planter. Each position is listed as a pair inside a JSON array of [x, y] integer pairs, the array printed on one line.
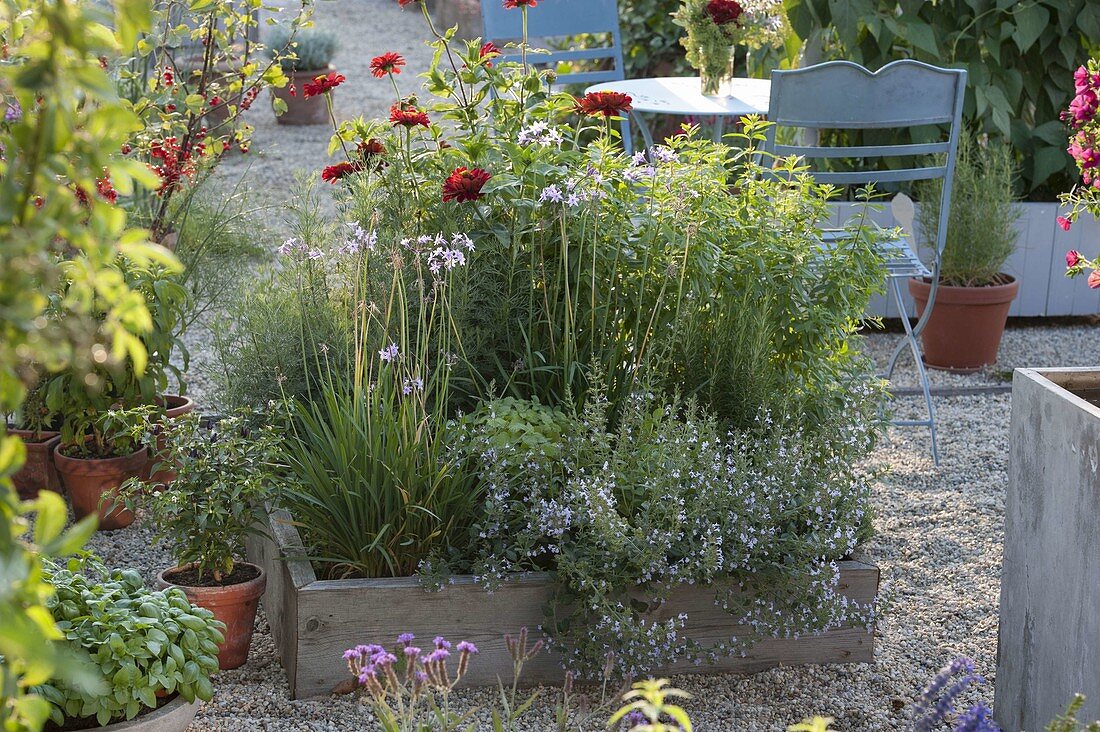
[[1049, 640], [1038, 262], [172, 717]]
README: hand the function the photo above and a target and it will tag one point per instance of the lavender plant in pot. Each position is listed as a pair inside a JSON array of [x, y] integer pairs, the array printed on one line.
[[222, 477], [307, 54]]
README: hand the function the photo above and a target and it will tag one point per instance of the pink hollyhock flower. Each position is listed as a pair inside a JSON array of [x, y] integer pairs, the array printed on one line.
[[1071, 254], [1094, 279], [1073, 257], [1080, 79], [1083, 106]]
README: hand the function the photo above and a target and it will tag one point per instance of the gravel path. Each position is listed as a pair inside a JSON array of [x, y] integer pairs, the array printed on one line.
[[939, 530]]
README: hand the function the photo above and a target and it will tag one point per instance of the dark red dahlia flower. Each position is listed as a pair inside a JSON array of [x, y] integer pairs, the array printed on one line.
[[465, 185], [323, 84], [723, 12], [513, 4], [607, 103], [334, 173], [407, 114], [387, 63]]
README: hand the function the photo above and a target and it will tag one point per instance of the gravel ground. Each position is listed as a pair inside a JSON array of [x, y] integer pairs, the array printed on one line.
[[939, 530]]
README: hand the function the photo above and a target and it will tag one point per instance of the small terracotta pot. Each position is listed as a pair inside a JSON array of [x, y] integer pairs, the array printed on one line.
[[234, 605], [38, 472], [175, 406], [92, 484], [299, 110], [964, 332]]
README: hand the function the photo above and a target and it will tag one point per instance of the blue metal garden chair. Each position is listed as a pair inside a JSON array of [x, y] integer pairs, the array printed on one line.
[[841, 95], [562, 18]]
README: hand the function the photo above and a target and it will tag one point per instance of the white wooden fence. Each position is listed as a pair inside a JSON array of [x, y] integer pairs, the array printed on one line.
[[1038, 262]]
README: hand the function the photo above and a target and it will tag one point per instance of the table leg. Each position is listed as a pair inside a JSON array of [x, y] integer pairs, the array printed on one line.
[[647, 136], [719, 128]]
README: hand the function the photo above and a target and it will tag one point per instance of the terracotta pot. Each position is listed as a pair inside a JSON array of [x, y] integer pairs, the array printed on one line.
[[234, 605], [38, 472], [175, 406], [299, 110], [92, 482], [967, 323]]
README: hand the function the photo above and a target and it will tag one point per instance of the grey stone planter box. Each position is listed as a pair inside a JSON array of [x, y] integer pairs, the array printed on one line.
[[1049, 642], [314, 621]]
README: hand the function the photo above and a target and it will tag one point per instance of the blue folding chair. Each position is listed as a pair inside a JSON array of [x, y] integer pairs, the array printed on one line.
[[841, 95], [562, 18]]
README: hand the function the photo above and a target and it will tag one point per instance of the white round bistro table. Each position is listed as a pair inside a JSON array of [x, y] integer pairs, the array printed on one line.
[[681, 96]]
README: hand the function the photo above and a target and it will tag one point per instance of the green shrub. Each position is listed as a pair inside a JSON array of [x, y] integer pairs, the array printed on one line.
[[307, 49], [1020, 58], [140, 642], [981, 227]]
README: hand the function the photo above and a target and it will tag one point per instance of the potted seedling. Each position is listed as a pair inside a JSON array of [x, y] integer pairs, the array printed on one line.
[[307, 55], [974, 295], [99, 450], [40, 430], [222, 478], [152, 653]]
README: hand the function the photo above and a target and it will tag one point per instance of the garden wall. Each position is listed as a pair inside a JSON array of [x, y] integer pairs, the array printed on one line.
[[314, 621], [1039, 263]]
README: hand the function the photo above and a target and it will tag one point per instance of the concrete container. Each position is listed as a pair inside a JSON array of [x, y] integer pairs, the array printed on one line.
[[1049, 642]]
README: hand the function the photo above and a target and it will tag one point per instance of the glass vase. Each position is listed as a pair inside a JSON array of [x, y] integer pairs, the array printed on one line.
[[716, 77]]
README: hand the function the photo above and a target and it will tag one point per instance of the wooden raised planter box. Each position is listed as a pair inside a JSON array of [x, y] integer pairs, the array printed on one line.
[[314, 621]]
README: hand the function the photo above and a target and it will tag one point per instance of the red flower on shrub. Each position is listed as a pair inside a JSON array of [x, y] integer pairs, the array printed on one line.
[[607, 103], [513, 4], [723, 12], [336, 172], [323, 84], [489, 50], [387, 63], [465, 184], [105, 190], [403, 3], [407, 114]]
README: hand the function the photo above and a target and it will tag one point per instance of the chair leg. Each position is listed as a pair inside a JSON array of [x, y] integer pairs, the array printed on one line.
[[647, 136], [911, 340], [628, 140]]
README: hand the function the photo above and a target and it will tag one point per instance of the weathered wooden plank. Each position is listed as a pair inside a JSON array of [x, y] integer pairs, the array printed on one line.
[[1049, 634], [1031, 263], [315, 622]]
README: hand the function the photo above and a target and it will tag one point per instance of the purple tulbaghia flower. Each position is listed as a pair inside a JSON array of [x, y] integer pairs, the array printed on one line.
[[389, 353], [359, 240], [978, 718], [412, 385], [572, 200], [406, 638], [551, 194], [462, 241]]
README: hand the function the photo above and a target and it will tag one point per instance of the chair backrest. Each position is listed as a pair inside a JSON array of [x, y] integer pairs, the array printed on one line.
[[841, 95], [558, 18]]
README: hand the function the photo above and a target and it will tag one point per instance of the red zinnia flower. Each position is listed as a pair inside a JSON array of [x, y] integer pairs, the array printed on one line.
[[512, 4], [465, 185], [387, 63], [323, 84], [408, 114], [334, 173], [607, 103], [723, 12], [489, 50]]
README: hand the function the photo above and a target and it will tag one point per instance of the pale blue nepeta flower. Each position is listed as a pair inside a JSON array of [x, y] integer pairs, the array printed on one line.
[[662, 154], [389, 353]]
